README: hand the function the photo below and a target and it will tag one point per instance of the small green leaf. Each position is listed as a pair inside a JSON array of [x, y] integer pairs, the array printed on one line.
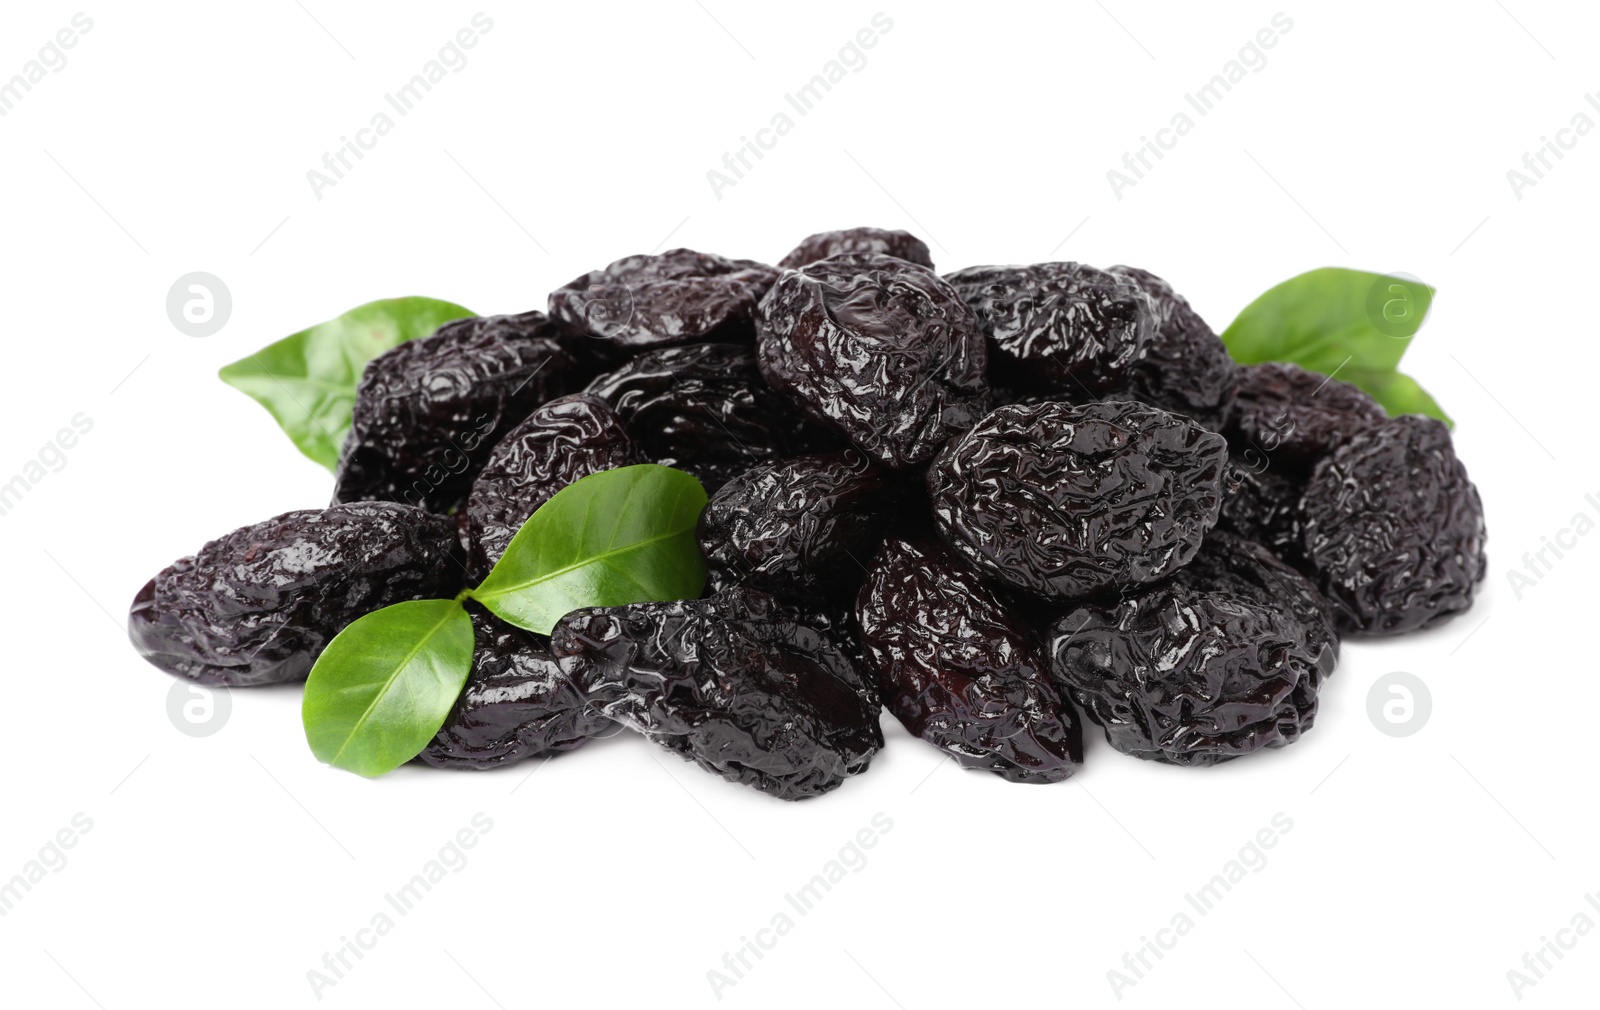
[[307, 381], [385, 684], [1400, 394], [1347, 322], [621, 536]]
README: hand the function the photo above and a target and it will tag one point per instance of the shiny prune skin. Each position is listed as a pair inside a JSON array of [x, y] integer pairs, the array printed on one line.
[[429, 412], [806, 525], [1223, 658], [889, 242], [517, 703], [259, 605], [878, 349], [1261, 502], [1064, 501], [1394, 531], [563, 440], [1057, 327], [962, 670], [1295, 416], [704, 408], [738, 683], [660, 300], [1185, 367]]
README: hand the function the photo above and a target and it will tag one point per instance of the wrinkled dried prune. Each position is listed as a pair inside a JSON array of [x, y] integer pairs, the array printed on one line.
[[805, 525], [677, 297], [877, 348], [562, 440], [704, 408], [1057, 327], [429, 412], [736, 683], [1186, 368], [1297, 416], [960, 670], [1394, 532], [257, 606], [1222, 659], [1261, 502], [1064, 501], [517, 703], [901, 244]]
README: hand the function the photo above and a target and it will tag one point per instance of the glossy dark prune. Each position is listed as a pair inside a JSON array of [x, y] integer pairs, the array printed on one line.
[[1297, 416], [878, 349], [962, 671], [1185, 368], [1261, 502], [1222, 659], [517, 703], [429, 412], [900, 244], [1394, 532], [257, 606], [736, 683], [561, 441], [805, 525], [1057, 327], [704, 408], [1065, 501], [676, 297]]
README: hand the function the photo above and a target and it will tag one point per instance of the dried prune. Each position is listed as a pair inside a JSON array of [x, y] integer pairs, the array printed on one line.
[[961, 670], [1064, 501], [562, 440], [677, 297], [517, 703], [805, 525], [257, 606], [736, 683], [1261, 502], [1296, 416], [704, 408], [1222, 659], [1185, 367], [877, 348], [901, 244], [1057, 327], [429, 412], [1394, 532]]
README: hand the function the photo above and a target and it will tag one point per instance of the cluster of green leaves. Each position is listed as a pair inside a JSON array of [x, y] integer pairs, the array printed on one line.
[[386, 683], [1348, 323]]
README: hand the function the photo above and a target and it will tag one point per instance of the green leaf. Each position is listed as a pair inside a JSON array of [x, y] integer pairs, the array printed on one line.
[[1336, 321], [621, 536], [307, 381], [1400, 394], [385, 684]]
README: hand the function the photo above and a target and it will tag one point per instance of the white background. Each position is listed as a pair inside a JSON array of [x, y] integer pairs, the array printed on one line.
[[219, 870]]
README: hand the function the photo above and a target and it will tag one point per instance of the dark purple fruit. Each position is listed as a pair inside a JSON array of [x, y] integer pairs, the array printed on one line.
[[259, 605]]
